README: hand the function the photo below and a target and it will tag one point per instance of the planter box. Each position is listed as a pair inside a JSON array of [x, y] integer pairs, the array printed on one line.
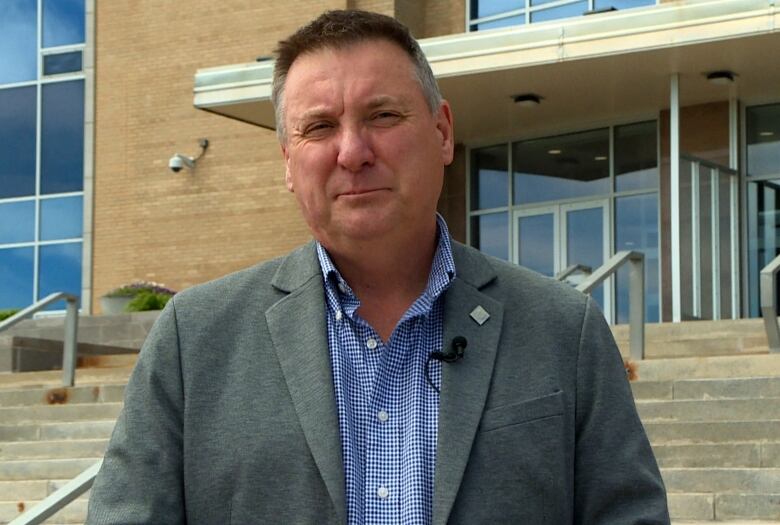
[[114, 305]]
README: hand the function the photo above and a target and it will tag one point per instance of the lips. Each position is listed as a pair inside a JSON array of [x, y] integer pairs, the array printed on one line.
[[361, 191]]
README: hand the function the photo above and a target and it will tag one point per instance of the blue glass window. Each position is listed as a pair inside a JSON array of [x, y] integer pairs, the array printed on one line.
[[17, 222], [17, 142], [490, 178], [636, 157], [63, 22], [562, 167], [636, 228], [503, 22], [490, 234], [18, 41], [62, 137], [483, 8], [563, 11], [62, 63], [621, 4], [59, 270], [16, 286], [61, 218]]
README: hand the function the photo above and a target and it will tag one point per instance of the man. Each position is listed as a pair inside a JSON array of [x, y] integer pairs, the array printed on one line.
[[383, 373]]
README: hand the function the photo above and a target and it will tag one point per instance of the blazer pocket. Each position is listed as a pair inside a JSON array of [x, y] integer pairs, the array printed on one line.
[[523, 411]]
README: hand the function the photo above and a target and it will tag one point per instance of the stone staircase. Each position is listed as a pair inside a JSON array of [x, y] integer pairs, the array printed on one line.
[[714, 423], [49, 435], [713, 420]]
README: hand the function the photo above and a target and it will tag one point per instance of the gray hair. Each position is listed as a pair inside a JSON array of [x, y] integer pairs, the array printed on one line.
[[340, 29]]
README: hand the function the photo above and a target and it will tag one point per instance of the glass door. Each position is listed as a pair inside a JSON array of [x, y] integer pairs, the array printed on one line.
[[548, 239]]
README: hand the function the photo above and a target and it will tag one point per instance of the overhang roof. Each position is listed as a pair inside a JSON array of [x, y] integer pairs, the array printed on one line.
[[606, 66]]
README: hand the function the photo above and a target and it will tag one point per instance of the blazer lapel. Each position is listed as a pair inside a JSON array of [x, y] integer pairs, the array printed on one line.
[[299, 334], [465, 383]]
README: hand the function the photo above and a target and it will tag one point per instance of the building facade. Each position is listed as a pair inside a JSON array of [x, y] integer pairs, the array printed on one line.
[[584, 127]]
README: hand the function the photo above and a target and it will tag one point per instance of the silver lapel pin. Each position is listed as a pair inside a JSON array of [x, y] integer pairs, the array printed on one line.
[[479, 315]]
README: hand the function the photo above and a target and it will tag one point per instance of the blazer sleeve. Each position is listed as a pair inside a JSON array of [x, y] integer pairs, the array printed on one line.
[[141, 478], [617, 480]]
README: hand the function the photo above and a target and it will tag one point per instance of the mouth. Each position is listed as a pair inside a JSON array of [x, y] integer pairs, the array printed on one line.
[[361, 192]]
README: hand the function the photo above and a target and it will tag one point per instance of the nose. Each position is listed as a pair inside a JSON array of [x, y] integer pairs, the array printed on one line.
[[355, 151]]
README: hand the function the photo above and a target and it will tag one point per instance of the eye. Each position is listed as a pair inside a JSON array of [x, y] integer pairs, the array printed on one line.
[[317, 127], [385, 117]]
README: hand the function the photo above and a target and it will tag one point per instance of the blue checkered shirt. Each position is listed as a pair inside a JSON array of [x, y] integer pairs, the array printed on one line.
[[388, 413]]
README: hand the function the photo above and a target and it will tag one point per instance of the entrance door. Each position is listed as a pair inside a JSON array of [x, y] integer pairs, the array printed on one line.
[[549, 239]]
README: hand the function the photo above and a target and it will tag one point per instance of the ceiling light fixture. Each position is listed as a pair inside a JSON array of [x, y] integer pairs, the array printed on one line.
[[767, 134], [600, 157], [721, 78], [554, 152], [527, 100]]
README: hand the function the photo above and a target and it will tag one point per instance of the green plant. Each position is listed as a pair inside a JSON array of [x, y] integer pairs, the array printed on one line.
[[5, 314], [132, 289], [146, 300]]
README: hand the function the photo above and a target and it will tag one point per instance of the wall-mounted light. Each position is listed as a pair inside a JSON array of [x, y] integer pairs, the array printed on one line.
[[721, 78], [527, 100], [179, 162]]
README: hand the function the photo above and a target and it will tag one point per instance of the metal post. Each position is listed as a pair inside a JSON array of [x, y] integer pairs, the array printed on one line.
[[636, 312], [674, 154], [769, 304], [715, 241], [695, 240], [733, 200], [70, 344]]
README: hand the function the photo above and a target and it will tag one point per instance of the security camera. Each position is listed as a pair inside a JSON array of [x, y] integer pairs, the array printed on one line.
[[177, 162]]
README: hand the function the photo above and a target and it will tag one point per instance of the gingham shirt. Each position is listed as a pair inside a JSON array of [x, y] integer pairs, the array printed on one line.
[[388, 413]]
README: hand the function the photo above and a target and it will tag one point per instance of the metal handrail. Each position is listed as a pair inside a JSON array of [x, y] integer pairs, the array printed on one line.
[[58, 499], [71, 329], [636, 294], [769, 303], [560, 276]]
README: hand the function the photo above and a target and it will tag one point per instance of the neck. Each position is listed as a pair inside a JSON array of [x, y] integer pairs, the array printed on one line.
[[387, 276]]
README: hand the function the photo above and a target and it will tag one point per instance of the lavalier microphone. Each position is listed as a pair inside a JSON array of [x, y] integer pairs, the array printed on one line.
[[452, 354]]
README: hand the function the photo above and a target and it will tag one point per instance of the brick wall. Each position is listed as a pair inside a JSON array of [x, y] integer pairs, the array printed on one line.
[[184, 228], [233, 211]]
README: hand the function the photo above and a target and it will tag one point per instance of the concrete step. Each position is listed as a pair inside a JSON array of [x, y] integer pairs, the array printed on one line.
[[689, 432], [43, 469], [723, 509], [738, 388], [723, 367], [722, 480], [63, 449], [57, 431], [54, 413], [75, 512], [61, 396], [728, 455], [709, 409], [698, 338], [53, 378]]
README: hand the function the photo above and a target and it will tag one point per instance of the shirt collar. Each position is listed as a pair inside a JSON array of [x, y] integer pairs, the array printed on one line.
[[340, 296]]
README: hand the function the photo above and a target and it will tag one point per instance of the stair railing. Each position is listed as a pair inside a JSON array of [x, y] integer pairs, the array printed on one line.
[[636, 294], [58, 499], [562, 275], [769, 303], [71, 329]]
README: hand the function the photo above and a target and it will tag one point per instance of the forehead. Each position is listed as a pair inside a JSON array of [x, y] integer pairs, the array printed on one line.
[[369, 65]]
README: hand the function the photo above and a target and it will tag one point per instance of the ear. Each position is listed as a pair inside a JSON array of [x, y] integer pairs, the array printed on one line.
[[444, 125], [287, 177]]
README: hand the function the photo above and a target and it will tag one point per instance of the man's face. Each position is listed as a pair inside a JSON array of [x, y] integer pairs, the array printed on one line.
[[365, 156]]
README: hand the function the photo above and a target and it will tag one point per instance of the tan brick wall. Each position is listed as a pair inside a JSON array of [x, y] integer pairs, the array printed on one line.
[[182, 229], [444, 17], [386, 7]]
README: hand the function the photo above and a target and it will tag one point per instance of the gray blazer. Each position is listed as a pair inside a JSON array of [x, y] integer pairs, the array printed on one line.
[[230, 415]]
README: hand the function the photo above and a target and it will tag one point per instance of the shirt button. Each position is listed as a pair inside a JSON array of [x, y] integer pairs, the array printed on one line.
[[383, 416], [371, 343], [383, 492], [339, 315]]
